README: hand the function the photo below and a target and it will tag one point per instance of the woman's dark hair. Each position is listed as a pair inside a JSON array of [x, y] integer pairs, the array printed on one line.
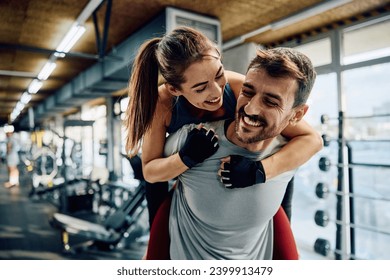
[[170, 56]]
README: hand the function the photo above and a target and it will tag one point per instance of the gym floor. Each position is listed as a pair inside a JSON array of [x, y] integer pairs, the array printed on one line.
[[26, 234]]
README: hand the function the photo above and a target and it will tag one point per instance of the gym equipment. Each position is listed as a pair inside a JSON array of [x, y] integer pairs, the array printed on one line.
[[323, 191], [80, 194], [105, 235], [326, 140], [323, 247], [325, 118], [324, 164], [322, 219], [344, 194]]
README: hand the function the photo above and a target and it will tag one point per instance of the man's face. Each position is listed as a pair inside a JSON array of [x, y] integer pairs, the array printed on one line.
[[264, 106]]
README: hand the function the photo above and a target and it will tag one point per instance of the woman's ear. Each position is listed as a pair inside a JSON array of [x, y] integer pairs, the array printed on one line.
[[299, 114], [172, 90]]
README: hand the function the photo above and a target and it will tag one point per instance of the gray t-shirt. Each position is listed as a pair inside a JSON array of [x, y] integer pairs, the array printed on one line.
[[209, 221]]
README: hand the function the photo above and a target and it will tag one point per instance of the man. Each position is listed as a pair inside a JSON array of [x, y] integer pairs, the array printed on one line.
[[210, 220]]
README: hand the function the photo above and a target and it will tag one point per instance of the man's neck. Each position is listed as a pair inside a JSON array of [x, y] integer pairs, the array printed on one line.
[[253, 147]]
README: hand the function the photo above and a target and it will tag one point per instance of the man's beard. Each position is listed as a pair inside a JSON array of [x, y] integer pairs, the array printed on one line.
[[260, 136]]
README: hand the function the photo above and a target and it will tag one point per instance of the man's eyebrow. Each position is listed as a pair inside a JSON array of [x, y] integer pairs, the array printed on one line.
[[248, 85], [273, 95], [270, 94]]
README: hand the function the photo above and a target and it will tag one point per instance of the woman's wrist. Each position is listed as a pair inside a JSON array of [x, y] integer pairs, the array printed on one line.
[[268, 163]]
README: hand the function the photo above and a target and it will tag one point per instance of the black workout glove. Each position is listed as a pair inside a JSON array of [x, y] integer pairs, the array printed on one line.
[[200, 144], [242, 172]]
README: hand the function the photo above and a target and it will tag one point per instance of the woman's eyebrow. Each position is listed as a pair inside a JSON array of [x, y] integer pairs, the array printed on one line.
[[199, 84], [203, 83], [219, 71]]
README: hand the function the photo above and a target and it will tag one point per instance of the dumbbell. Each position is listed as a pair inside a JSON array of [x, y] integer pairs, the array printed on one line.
[[324, 164], [326, 139], [322, 190], [321, 217], [322, 246], [324, 119]]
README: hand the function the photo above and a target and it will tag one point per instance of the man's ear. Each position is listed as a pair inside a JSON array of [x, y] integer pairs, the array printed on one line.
[[299, 113], [172, 90]]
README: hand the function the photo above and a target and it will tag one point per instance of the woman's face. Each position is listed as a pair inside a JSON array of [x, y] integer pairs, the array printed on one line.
[[205, 82]]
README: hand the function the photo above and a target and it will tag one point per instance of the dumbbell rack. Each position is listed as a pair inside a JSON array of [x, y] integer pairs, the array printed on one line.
[[345, 214]]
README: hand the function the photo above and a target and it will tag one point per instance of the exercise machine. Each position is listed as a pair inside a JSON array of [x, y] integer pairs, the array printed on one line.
[[108, 233]]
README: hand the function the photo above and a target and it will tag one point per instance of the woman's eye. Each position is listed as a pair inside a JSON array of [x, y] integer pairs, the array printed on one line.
[[200, 90], [220, 76]]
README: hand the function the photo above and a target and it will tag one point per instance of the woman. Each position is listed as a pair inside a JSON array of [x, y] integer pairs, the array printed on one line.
[[12, 160], [196, 88]]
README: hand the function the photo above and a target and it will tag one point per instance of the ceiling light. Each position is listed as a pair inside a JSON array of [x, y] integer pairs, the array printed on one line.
[[19, 106], [71, 38], [14, 115], [26, 97], [47, 70], [88, 10], [34, 86], [8, 128]]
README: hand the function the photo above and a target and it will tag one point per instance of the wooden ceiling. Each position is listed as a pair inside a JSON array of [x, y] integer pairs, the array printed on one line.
[[31, 29]]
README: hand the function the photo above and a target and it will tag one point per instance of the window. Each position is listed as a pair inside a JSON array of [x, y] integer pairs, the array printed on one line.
[[363, 43], [318, 51]]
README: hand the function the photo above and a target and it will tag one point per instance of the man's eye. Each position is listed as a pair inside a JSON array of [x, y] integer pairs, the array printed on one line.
[[247, 93], [271, 103]]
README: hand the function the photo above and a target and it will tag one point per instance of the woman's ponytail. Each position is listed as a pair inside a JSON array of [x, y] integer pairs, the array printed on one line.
[[143, 95]]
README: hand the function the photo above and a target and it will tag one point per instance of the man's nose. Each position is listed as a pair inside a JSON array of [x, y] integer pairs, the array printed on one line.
[[254, 106]]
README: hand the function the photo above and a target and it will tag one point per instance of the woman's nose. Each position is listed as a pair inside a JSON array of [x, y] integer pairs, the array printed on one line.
[[217, 89]]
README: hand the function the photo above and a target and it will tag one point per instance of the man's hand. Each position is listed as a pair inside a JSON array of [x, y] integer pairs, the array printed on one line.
[[239, 172], [200, 144]]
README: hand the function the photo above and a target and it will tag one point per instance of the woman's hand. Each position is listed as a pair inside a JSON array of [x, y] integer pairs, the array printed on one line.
[[200, 144]]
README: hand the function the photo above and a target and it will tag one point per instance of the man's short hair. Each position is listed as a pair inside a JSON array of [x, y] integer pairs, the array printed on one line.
[[287, 62]]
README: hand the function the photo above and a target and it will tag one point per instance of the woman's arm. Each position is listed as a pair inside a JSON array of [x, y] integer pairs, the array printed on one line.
[[198, 144], [304, 143], [235, 81], [155, 166]]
